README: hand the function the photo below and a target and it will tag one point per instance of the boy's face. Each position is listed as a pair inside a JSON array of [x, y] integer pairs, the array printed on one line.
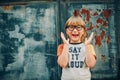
[[74, 33]]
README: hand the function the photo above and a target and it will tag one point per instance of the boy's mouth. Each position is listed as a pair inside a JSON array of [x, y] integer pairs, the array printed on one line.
[[75, 35]]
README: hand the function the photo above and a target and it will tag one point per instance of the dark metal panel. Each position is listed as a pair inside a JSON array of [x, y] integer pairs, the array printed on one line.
[[86, 1], [15, 1], [117, 25], [28, 41]]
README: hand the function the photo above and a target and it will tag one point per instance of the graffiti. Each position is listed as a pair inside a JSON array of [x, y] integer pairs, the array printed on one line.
[[99, 19], [100, 24]]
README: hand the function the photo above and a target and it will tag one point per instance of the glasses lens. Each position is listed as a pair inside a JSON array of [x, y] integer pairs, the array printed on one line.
[[71, 28], [79, 28]]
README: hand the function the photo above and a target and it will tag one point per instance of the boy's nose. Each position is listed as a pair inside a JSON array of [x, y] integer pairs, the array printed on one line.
[[74, 29]]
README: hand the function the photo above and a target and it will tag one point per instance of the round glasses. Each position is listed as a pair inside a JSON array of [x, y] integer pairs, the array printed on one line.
[[71, 28]]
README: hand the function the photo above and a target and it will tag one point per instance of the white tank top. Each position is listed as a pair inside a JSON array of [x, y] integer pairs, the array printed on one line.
[[77, 69]]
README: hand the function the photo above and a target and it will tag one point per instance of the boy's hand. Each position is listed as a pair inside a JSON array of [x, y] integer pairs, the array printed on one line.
[[65, 41], [88, 46], [88, 41]]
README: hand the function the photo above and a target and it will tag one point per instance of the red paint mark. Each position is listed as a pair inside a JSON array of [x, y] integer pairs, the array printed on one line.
[[107, 13], [95, 14], [98, 41], [99, 20], [76, 13], [102, 34], [90, 27], [87, 13], [108, 39], [7, 7], [102, 22], [105, 24]]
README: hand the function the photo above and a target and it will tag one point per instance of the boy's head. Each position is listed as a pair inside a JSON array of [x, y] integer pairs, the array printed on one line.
[[76, 22]]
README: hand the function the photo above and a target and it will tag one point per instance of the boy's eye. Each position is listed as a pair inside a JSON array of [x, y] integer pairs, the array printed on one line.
[[79, 28], [71, 28]]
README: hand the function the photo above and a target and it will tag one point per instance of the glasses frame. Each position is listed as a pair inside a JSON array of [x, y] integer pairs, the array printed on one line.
[[71, 28]]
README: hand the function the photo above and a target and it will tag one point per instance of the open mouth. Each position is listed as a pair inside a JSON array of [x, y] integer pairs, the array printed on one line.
[[75, 35]]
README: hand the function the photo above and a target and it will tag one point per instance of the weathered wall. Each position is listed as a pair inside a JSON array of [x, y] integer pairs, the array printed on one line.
[[28, 41], [29, 35], [100, 20]]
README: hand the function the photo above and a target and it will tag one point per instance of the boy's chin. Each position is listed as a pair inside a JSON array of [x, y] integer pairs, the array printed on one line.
[[75, 41]]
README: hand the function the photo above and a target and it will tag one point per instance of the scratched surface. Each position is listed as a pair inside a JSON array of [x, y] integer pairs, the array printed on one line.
[[28, 42], [28, 39]]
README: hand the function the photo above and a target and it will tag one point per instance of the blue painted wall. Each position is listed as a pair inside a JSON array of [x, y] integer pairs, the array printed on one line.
[[29, 35], [28, 42]]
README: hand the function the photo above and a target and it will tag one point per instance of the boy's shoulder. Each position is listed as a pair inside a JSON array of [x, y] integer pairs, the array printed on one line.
[[61, 45]]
